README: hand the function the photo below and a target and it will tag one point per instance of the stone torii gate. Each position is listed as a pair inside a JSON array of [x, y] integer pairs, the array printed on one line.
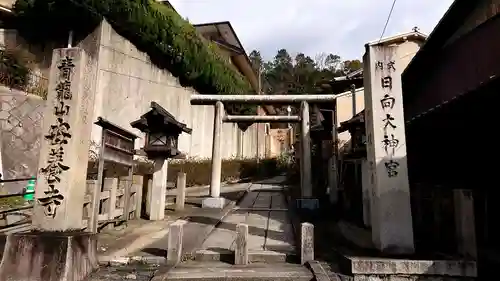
[[307, 200]]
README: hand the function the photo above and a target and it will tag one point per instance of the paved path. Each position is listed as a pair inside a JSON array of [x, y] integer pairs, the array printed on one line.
[[271, 242], [146, 241], [265, 211]]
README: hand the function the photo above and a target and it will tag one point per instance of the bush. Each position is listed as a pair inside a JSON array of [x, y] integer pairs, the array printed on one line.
[[288, 162], [16, 73], [14, 70], [170, 41], [199, 171], [12, 202]]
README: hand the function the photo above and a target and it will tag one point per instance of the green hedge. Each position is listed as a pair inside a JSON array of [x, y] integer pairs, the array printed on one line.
[[12, 202], [199, 172], [14, 71], [171, 42]]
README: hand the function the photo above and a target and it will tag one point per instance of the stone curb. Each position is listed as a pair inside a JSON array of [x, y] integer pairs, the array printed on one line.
[[191, 253], [294, 217], [117, 261], [318, 271], [198, 188], [253, 257]]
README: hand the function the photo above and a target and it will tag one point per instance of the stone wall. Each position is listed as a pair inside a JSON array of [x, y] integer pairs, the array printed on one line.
[[20, 132], [385, 269]]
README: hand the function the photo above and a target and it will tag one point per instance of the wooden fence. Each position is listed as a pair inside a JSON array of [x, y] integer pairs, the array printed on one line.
[[112, 205]]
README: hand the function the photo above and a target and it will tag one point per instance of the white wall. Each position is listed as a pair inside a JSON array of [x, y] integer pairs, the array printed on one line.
[[128, 82]]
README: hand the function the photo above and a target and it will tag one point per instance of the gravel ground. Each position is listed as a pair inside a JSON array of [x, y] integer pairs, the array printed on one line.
[[135, 272]]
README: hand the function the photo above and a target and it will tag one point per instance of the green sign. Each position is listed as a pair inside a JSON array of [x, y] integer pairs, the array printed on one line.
[[29, 193]]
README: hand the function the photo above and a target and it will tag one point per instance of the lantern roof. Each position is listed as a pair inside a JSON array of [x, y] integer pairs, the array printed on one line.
[[158, 119]]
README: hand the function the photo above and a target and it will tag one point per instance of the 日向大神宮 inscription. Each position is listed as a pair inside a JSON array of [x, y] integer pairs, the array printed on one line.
[[58, 136], [390, 144], [390, 141], [388, 123], [392, 168], [387, 102]]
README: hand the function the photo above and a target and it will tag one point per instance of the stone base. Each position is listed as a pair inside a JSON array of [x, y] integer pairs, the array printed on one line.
[[308, 203], [368, 269], [54, 256], [213, 203]]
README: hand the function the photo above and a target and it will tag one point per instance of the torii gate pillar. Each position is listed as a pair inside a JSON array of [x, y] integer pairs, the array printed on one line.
[[215, 201]]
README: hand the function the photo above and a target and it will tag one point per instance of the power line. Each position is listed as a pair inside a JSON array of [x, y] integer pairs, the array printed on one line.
[[387, 22]]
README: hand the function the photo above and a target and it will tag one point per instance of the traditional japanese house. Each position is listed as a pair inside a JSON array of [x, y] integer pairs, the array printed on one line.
[[451, 95]]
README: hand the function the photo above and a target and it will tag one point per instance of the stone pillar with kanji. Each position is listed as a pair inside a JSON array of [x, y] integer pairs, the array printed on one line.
[[60, 246], [67, 125], [391, 219]]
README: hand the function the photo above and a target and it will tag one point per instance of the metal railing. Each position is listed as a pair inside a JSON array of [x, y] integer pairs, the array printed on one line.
[[18, 213], [113, 205]]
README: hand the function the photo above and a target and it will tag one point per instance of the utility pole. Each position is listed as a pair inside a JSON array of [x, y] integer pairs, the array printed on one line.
[[290, 137], [354, 112], [353, 92], [259, 79]]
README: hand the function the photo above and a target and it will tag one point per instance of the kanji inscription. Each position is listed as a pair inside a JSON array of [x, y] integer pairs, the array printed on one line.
[[390, 142], [58, 136]]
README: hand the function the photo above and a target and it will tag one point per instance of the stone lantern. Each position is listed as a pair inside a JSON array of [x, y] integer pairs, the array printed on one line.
[[162, 132], [162, 140]]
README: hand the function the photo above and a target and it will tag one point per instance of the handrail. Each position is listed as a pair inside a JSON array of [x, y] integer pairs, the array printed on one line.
[[20, 208], [14, 180], [17, 216], [16, 194], [15, 209]]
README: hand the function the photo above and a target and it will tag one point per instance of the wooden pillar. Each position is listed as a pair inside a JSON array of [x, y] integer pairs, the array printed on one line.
[[181, 191], [465, 223], [241, 247], [333, 179], [174, 247], [306, 242], [305, 140]]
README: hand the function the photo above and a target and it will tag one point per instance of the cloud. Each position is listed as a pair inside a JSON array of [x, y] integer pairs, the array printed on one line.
[[314, 26]]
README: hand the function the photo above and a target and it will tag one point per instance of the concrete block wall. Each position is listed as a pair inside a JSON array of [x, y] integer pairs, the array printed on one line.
[[127, 82], [20, 135]]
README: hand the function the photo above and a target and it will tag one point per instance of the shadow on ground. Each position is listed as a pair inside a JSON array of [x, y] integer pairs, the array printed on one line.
[[204, 217]]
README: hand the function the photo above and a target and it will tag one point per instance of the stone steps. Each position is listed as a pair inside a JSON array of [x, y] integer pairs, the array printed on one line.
[[253, 256], [208, 271]]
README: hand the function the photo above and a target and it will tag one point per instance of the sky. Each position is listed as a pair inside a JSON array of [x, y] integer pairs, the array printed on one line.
[[340, 27]]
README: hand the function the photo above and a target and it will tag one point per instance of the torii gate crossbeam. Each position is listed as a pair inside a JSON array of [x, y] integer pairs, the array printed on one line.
[[215, 201], [262, 99]]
